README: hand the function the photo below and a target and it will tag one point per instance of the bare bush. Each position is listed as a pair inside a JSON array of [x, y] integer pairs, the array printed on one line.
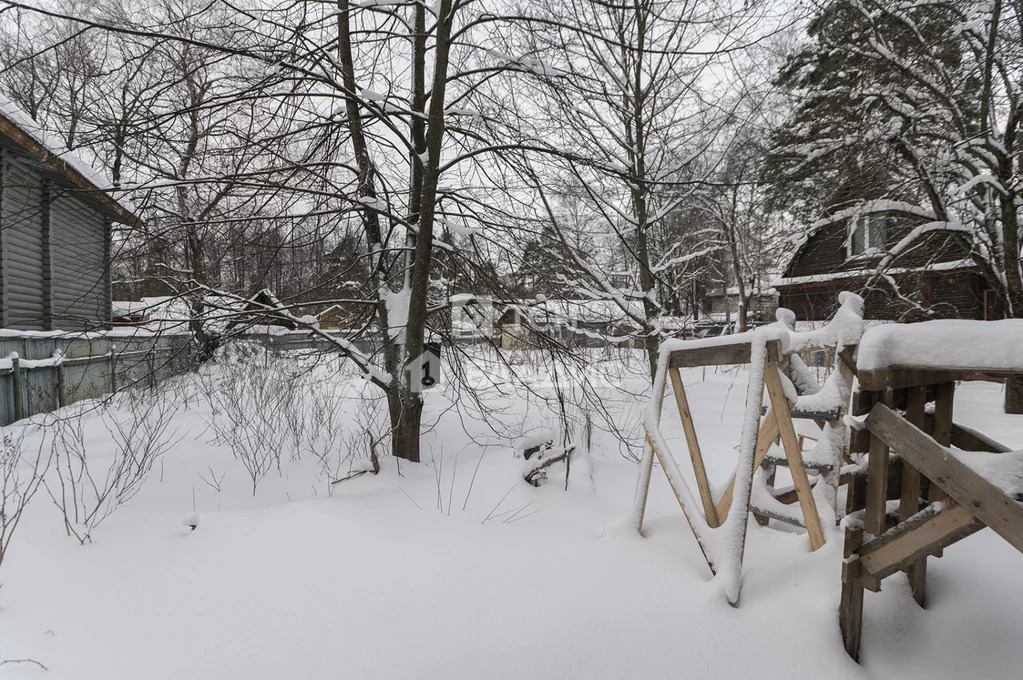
[[345, 444], [20, 477], [247, 403], [90, 486]]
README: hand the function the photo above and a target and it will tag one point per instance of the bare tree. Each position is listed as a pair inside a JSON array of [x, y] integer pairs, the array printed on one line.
[[634, 91]]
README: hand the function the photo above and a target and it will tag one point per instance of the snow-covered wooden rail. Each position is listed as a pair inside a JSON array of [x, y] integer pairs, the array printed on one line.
[[772, 355], [949, 481]]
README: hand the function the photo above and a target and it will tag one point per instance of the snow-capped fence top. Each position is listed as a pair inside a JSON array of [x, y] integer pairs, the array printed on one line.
[[951, 344]]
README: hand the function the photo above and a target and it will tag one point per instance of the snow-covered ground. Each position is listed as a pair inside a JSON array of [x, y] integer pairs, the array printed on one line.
[[456, 568]]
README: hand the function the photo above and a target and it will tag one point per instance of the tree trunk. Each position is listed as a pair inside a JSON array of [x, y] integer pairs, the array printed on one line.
[[406, 413], [1014, 395]]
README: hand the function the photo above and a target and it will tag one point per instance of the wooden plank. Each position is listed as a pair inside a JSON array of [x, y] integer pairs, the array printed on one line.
[[816, 466], [902, 376], [681, 503], [910, 542], [646, 468], [757, 392], [850, 610], [909, 498], [967, 438], [694, 448], [765, 437], [821, 417], [985, 501], [779, 404], [970, 440], [719, 355], [910, 493], [941, 428], [877, 486], [770, 513]]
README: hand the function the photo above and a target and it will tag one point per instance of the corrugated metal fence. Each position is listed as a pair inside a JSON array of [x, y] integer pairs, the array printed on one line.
[[41, 373]]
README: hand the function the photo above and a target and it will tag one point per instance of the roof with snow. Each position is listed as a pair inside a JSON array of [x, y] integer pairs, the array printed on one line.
[[19, 128], [581, 311]]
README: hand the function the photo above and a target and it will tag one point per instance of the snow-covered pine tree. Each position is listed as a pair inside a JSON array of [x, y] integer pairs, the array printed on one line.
[[924, 100]]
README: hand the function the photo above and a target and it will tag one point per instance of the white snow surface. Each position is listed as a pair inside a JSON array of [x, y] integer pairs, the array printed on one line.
[[402, 574], [944, 344], [1004, 470]]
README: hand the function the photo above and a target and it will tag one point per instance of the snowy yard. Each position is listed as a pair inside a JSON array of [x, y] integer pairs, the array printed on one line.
[[456, 567]]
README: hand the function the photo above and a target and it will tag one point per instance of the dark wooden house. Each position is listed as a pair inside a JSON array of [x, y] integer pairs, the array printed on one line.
[[931, 280], [264, 309], [55, 232]]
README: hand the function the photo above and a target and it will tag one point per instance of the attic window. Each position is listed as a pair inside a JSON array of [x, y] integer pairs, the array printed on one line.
[[869, 235]]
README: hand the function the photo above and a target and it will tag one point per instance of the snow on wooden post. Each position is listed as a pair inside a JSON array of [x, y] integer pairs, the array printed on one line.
[[19, 407]]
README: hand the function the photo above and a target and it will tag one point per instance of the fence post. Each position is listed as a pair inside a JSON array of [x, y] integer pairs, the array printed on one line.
[[151, 365], [113, 368], [59, 369], [19, 407]]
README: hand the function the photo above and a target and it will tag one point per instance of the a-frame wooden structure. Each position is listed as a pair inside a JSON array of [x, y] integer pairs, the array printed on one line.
[[761, 351]]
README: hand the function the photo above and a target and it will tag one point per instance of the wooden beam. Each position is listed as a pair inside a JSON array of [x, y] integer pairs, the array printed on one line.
[[694, 448], [941, 427], [967, 438], [800, 480], [910, 542], [646, 469], [681, 503], [970, 440], [899, 377], [909, 498], [877, 487], [765, 438], [720, 355], [985, 501]]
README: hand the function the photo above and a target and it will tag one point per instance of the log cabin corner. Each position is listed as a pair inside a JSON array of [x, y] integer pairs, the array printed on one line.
[[56, 217]]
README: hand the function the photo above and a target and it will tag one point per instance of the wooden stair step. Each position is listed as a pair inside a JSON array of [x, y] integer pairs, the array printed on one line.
[[811, 465], [795, 519], [806, 414]]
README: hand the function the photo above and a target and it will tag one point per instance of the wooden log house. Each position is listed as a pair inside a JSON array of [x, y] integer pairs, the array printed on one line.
[[55, 232]]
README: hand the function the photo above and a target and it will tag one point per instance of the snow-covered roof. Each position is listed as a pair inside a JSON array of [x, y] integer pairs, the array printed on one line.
[[858, 273], [128, 307], [585, 311], [19, 126]]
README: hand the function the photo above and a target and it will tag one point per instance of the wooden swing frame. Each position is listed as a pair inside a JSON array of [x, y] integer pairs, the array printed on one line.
[[777, 423]]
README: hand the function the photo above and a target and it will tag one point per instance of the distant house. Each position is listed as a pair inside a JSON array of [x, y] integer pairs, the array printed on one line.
[[55, 232], [264, 309], [930, 280], [342, 317], [585, 323], [723, 306], [129, 312]]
